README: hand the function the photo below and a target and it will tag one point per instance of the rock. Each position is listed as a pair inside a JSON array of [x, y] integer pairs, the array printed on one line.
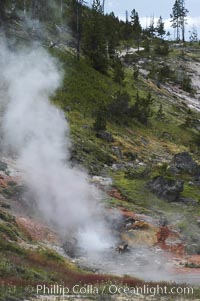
[[117, 151], [105, 136], [116, 167], [190, 183], [168, 189], [102, 181], [188, 201], [122, 248], [142, 164], [184, 162], [71, 248]]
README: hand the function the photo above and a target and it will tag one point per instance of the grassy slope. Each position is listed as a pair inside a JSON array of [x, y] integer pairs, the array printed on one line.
[[165, 137]]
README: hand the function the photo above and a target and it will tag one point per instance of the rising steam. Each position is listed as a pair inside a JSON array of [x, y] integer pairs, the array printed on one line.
[[38, 134]]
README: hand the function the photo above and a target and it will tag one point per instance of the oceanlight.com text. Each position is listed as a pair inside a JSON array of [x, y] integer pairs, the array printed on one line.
[[112, 289]]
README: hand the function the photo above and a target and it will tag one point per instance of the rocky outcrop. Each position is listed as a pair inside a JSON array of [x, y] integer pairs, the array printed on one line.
[[105, 136], [183, 162], [166, 188]]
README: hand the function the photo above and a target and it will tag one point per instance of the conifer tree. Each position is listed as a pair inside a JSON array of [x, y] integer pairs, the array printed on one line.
[[184, 12], [178, 18], [94, 40], [160, 29], [175, 18], [193, 35], [136, 26]]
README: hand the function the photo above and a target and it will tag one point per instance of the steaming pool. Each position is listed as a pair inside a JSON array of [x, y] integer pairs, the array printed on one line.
[[149, 264]]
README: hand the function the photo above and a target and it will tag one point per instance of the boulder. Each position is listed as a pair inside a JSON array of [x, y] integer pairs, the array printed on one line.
[[166, 188], [105, 136], [183, 162], [71, 248]]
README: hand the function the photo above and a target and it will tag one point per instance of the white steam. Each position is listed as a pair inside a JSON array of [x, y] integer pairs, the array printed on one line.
[[39, 135]]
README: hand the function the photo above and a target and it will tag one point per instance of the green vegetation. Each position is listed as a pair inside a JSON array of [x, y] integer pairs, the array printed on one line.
[[104, 93]]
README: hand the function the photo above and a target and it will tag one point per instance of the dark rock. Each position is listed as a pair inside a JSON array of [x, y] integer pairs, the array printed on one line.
[[184, 162], [105, 136], [130, 220], [71, 248], [122, 248], [188, 201], [166, 188]]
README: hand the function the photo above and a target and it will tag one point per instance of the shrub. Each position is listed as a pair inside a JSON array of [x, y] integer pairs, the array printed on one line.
[[119, 108], [186, 84], [162, 49], [100, 120], [142, 108], [118, 71]]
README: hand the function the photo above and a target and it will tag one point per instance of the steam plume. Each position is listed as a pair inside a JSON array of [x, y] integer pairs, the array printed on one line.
[[38, 133]]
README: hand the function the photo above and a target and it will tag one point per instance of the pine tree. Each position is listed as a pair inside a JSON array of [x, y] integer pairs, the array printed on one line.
[[127, 30], [193, 35], [136, 26], [118, 71], [112, 33], [94, 39], [179, 14], [160, 29], [183, 16], [175, 16]]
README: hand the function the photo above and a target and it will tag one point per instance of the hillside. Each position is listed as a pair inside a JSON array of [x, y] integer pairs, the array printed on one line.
[[137, 139]]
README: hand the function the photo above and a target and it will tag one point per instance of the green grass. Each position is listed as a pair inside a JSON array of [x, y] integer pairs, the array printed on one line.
[[191, 192], [83, 88], [9, 231]]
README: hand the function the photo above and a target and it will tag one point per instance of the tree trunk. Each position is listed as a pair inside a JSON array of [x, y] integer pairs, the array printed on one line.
[[183, 31]]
